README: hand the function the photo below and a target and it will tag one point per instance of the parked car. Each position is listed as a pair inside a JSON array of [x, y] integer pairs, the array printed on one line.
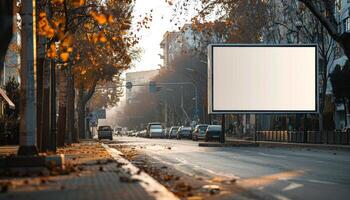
[[199, 131], [212, 132], [129, 133], [184, 132], [166, 131], [118, 131], [135, 133], [173, 132], [155, 129], [105, 132]]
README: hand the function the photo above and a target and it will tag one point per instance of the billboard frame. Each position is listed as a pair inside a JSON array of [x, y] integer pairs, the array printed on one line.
[[210, 81]]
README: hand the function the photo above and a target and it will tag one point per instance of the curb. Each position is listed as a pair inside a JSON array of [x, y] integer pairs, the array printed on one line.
[[149, 184]]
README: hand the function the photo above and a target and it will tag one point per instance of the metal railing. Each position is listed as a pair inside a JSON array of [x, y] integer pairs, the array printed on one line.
[[315, 137]]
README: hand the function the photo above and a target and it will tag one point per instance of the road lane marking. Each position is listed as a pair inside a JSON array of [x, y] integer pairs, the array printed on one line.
[[292, 186], [270, 155], [323, 182]]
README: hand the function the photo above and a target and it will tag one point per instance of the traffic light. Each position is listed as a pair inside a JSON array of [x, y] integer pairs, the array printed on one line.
[[152, 87]]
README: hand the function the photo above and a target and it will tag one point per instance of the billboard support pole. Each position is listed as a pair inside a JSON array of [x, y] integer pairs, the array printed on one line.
[[222, 136]]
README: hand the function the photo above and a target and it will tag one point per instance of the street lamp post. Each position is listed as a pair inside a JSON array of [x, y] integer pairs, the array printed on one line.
[[27, 135]]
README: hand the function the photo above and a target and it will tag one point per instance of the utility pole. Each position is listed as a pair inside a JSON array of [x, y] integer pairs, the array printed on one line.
[[222, 135], [27, 135]]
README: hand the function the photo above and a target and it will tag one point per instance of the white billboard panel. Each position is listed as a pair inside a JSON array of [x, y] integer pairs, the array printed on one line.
[[262, 78]]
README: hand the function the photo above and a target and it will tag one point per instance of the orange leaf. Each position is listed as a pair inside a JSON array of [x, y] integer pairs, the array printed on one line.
[[64, 56], [100, 18]]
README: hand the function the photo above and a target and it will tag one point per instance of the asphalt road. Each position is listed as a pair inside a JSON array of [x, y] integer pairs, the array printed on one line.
[[278, 173]]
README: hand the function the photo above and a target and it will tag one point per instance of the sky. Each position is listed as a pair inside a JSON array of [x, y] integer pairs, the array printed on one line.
[[151, 38]]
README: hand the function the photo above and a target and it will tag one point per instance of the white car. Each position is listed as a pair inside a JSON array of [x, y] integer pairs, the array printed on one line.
[[155, 130]]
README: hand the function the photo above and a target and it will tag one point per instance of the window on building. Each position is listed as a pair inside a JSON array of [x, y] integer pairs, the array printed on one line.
[[347, 24]]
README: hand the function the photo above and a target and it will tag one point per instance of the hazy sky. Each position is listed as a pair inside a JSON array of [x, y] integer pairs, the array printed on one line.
[[151, 38]]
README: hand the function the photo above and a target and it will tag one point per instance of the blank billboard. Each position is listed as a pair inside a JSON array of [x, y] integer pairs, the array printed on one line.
[[262, 79]]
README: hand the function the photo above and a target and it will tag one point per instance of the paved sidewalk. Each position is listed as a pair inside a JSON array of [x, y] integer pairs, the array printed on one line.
[[91, 173]]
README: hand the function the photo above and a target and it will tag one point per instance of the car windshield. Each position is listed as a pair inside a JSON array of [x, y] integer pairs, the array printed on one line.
[[104, 128], [214, 128], [156, 127], [202, 128], [186, 128]]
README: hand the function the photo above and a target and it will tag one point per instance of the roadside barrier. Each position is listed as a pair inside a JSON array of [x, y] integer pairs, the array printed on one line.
[[315, 137]]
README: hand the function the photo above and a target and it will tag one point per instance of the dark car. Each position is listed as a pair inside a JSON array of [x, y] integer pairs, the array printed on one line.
[[184, 132], [212, 133], [199, 131], [105, 132]]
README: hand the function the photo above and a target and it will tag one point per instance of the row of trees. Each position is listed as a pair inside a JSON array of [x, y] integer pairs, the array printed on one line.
[[83, 43]]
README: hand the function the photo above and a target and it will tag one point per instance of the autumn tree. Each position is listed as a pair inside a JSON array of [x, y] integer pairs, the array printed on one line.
[[106, 46], [89, 42]]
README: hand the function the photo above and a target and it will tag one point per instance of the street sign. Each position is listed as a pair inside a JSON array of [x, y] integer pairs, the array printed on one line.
[[152, 87], [100, 114], [262, 78], [128, 85]]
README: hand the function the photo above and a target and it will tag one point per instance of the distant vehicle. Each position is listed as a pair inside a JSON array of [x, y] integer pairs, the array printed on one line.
[[143, 133], [105, 132], [166, 132], [118, 130], [199, 132], [173, 132], [135, 133], [129, 133], [184, 132], [212, 132], [154, 129]]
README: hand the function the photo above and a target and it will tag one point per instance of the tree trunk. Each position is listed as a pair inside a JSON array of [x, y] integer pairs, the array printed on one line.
[[39, 96], [72, 134], [40, 60], [62, 108], [45, 119], [53, 131], [81, 113]]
